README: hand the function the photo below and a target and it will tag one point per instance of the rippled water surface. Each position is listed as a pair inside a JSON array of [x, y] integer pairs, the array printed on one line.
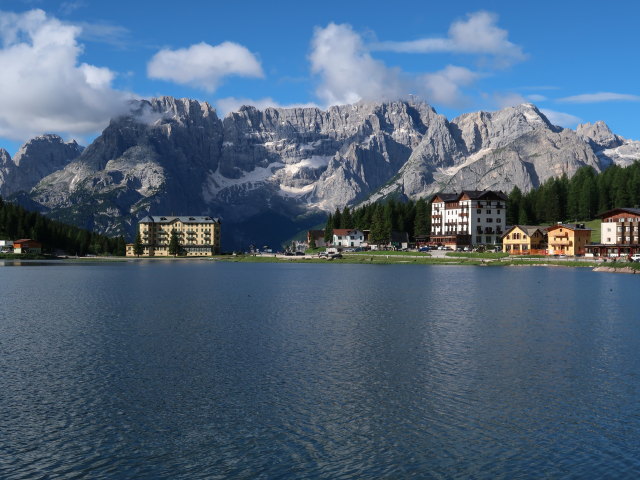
[[218, 370]]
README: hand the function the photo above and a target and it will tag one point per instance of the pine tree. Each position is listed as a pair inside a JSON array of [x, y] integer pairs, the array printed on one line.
[[328, 230], [377, 226], [513, 206], [346, 220], [174, 243], [420, 225], [337, 219], [138, 249]]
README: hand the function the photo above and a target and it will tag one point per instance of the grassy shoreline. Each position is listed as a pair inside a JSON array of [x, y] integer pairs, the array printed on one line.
[[386, 258]]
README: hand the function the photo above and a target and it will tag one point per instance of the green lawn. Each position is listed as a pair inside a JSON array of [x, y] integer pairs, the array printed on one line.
[[390, 252], [594, 225], [478, 254]]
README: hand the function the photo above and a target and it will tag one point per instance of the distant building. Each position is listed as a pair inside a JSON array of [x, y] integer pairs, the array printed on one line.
[[6, 246], [348, 237], [468, 218], [199, 236], [524, 239], [318, 236], [565, 239], [26, 245], [619, 233]]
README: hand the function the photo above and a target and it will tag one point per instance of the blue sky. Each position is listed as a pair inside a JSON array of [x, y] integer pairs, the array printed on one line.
[[67, 66]]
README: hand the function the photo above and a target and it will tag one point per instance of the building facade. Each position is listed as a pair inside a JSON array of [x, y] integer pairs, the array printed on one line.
[[521, 239], [317, 236], [468, 218], [26, 245], [198, 236], [564, 239], [6, 246], [348, 237], [619, 233]]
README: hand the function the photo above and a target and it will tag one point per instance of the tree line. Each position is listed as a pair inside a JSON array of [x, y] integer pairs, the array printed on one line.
[[17, 223], [382, 219], [579, 198]]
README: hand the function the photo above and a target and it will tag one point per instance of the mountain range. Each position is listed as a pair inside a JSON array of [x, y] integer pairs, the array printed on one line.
[[271, 173]]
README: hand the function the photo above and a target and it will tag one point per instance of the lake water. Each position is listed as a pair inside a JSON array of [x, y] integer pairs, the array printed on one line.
[[199, 369]]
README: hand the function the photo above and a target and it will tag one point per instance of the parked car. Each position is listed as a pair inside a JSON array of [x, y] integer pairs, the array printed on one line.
[[300, 254], [635, 257], [335, 255], [424, 249], [288, 254], [323, 255]]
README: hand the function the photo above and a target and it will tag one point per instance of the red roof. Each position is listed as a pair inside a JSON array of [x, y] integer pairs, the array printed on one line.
[[343, 231], [26, 241]]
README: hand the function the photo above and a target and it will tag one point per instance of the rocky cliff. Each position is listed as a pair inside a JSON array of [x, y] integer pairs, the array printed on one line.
[[35, 160], [269, 173]]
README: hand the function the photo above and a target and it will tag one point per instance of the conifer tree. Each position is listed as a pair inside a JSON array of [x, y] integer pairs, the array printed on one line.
[[174, 243], [328, 230], [421, 227], [138, 249], [337, 219], [346, 219]]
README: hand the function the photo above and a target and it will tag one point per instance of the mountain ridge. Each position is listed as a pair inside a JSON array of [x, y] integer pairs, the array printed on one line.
[[294, 164]]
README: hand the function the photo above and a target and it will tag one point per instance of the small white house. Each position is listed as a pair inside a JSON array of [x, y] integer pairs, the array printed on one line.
[[346, 237], [6, 246]]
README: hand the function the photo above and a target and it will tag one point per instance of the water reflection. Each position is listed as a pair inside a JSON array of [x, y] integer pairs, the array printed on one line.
[[206, 370]]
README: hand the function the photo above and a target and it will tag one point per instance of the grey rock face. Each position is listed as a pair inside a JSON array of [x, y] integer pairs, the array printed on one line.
[[514, 146], [35, 160], [598, 135], [176, 156]]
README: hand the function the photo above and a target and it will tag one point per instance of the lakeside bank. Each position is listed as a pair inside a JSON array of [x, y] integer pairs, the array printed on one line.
[[370, 258]]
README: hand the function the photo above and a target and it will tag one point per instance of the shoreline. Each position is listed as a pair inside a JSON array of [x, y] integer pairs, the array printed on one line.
[[367, 259]]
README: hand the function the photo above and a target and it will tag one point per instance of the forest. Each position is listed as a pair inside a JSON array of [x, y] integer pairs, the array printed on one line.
[[17, 223], [577, 199]]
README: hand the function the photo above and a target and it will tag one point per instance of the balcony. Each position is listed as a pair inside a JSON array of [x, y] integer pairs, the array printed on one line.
[[561, 241]]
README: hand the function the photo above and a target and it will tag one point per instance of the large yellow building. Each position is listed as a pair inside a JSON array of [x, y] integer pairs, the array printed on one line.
[[524, 239], [198, 236], [568, 239]]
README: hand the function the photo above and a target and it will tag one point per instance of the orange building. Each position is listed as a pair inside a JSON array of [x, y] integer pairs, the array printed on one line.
[[568, 239], [26, 245]]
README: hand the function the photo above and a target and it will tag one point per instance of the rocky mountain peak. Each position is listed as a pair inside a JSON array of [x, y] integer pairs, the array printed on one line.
[[598, 135], [36, 159], [292, 164]]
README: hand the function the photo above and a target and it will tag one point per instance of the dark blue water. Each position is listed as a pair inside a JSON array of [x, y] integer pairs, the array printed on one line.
[[216, 370]]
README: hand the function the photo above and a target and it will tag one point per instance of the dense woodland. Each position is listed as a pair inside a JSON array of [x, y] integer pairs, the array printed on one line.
[[17, 223], [578, 199]]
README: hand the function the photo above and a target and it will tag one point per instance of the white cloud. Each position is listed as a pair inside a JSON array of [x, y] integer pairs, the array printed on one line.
[[444, 86], [504, 100], [233, 104], [43, 88], [560, 118], [536, 97], [203, 65], [601, 97], [348, 73], [478, 34]]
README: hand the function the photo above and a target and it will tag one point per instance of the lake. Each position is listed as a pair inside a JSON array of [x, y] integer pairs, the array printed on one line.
[[201, 369]]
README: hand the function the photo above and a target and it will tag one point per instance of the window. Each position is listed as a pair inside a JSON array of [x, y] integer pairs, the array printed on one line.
[[488, 211], [479, 239], [489, 220], [498, 220], [479, 211], [488, 239], [498, 211]]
